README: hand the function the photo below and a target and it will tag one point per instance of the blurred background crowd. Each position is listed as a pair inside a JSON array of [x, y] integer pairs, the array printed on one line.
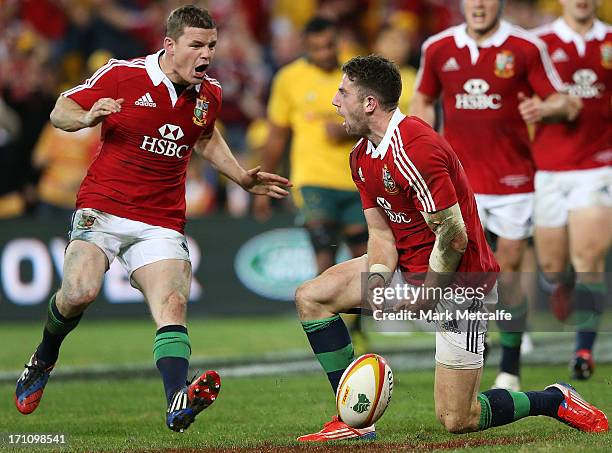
[[47, 46]]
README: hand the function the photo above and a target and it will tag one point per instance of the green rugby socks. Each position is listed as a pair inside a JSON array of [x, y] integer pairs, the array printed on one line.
[[56, 329], [171, 351], [331, 343], [500, 407], [511, 334], [589, 300]]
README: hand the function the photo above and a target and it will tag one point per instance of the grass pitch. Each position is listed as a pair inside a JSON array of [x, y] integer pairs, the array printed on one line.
[[258, 413], [268, 413]]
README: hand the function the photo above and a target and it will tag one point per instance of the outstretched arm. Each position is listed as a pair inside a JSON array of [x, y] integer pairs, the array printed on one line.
[[70, 116], [215, 150]]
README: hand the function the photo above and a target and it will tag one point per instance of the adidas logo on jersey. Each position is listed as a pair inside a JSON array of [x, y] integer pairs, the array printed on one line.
[[146, 101], [558, 56], [450, 65]]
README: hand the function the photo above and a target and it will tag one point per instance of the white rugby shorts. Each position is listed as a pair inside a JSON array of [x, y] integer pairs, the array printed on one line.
[[134, 244], [558, 192], [507, 216], [459, 344]]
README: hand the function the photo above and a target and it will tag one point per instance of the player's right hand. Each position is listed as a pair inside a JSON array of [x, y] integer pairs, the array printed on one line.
[[102, 108]]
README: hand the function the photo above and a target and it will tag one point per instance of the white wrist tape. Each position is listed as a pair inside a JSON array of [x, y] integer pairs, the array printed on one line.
[[382, 270]]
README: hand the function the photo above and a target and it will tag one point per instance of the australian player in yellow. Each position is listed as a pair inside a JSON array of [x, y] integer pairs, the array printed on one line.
[[300, 107]]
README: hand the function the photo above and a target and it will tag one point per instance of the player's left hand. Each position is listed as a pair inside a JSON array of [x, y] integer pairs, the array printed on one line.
[[263, 183]]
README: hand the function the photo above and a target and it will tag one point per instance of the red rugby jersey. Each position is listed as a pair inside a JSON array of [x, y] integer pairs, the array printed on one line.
[[140, 170], [479, 85], [585, 66], [414, 170]]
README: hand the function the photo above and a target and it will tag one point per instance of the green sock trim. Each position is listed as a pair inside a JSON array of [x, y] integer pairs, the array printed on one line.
[[598, 287], [521, 404], [336, 360], [318, 324], [485, 412], [510, 339], [57, 326], [171, 344]]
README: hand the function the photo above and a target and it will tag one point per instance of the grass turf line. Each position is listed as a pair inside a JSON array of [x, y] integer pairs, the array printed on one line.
[[131, 341], [268, 413]]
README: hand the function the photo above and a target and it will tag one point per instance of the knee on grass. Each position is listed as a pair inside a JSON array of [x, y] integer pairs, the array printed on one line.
[[457, 423]]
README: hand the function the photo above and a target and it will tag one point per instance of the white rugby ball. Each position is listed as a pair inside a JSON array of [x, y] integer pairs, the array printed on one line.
[[365, 391]]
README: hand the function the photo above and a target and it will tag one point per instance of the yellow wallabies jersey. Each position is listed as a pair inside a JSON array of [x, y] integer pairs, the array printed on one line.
[[301, 99], [408, 74]]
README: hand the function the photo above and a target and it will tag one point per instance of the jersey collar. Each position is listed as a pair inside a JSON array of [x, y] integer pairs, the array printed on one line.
[[157, 76], [567, 35], [153, 69], [563, 31], [381, 150], [462, 39]]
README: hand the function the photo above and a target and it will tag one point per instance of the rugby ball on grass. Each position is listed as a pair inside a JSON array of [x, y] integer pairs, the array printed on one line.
[[365, 391]]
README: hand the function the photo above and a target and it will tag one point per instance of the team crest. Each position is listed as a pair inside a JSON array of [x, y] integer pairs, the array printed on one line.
[[390, 186], [606, 54], [504, 64], [200, 111], [360, 173], [86, 221]]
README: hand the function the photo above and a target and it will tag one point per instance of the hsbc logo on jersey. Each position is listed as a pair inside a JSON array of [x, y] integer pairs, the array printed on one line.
[[585, 85], [395, 217], [170, 131], [166, 145], [476, 97]]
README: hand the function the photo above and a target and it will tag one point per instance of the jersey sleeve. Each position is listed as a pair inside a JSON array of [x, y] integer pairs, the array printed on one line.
[[367, 201], [102, 84], [541, 73], [425, 177], [427, 81], [279, 108]]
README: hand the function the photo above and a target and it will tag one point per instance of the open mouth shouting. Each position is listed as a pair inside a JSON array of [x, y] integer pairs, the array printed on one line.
[[200, 71]]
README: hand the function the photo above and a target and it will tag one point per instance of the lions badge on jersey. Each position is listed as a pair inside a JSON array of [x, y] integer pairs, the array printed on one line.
[[504, 64], [606, 55], [200, 111], [390, 186]]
